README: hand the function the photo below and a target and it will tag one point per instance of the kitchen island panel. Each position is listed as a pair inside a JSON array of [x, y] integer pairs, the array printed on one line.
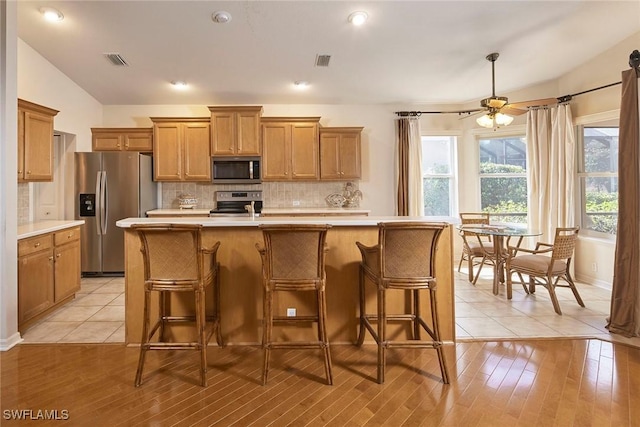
[[241, 287]]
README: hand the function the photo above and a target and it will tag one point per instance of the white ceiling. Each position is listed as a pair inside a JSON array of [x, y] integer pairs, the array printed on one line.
[[408, 52]]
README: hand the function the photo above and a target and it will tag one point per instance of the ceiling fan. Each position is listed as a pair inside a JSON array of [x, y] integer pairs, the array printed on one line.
[[498, 111]]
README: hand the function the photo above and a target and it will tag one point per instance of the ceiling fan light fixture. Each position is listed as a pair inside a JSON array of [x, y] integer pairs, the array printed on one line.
[[503, 119], [485, 121], [494, 120]]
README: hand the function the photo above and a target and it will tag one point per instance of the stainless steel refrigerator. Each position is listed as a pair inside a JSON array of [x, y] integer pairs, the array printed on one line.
[[110, 187]]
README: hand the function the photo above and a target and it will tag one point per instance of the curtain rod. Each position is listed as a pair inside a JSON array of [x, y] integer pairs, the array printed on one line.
[[634, 62]]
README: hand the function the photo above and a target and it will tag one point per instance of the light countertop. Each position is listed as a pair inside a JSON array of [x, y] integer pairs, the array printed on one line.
[[42, 227], [337, 220]]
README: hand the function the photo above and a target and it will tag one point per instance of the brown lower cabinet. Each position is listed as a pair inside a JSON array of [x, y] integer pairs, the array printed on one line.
[[48, 273]]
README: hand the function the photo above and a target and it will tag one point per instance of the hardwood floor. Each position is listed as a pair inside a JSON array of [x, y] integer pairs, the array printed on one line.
[[501, 383]]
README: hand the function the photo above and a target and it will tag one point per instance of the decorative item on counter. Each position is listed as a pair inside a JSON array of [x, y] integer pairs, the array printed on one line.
[[187, 201], [352, 196], [335, 200]]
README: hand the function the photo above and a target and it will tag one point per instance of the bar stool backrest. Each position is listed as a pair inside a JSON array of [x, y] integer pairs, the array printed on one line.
[[407, 248], [295, 252], [172, 252]]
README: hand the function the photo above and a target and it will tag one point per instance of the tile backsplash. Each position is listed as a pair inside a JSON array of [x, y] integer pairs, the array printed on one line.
[[274, 194], [23, 203]]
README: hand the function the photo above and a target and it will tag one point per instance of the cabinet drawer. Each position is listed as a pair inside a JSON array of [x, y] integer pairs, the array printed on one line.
[[34, 244], [68, 235]]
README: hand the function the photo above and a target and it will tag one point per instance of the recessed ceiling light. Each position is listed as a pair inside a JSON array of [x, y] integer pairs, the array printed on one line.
[[221, 17], [51, 14], [179, 84], [358, 18], [301, 84]]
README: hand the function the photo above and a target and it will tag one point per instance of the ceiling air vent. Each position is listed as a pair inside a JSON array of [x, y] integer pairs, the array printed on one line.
[[116, 59], [322, 60]]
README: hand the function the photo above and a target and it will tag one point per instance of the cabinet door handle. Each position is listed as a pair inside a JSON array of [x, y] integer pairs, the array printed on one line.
[[50, 258], [70, 235], [57, 255], [28, 172], [118, 145], [36, 245]]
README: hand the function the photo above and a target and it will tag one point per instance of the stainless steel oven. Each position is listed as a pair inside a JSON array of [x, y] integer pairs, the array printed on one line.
[[237, 203], [235, 170]]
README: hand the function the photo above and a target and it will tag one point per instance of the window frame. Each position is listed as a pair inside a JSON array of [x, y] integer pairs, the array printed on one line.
[[580, 201]]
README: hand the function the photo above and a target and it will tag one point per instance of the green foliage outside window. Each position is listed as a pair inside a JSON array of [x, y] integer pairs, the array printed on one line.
[[436, 194], [503, 194]]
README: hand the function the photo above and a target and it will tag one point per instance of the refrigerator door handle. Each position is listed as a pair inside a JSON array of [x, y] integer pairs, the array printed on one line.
[[98, 202], [103, 199]]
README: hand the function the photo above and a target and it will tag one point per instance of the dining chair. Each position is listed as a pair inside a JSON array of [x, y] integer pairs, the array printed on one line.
[[403, 260], [293, 260], [475, 246], [176, 261], [545, 265]]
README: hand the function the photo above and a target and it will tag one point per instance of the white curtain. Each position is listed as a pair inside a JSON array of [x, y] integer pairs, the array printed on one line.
[[416, 204], [551, 169]]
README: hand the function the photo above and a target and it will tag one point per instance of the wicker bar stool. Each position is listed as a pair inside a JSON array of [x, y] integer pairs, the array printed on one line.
[[293, 259], [176, 261], [403, 259]]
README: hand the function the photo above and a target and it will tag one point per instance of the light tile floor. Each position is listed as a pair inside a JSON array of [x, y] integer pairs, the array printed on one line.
[[481, 315], [97, 314]]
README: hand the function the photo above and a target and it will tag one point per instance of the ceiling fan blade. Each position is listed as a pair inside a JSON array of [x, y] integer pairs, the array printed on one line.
[[508, 109], [534, 103]]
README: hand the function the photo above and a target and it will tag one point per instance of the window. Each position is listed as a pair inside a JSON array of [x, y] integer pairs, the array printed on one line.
[[438, 153], [598, 178], [503, 178]]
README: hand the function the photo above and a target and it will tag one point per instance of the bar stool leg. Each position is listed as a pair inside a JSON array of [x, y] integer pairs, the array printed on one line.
[[322, 334], [216, 308], [145, 337], [436, 336], [416, 314], [266, 334], [382, 337], [201, 331], [363, 314]]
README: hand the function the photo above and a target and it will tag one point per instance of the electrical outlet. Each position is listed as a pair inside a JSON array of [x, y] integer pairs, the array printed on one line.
[[296, 203], [594, 267], [291, 312]]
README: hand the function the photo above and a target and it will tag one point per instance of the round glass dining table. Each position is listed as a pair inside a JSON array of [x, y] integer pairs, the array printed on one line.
[[498, 234]]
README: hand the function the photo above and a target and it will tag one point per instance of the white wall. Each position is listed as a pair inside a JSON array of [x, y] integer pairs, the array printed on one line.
[[9, 335], [40, 82]]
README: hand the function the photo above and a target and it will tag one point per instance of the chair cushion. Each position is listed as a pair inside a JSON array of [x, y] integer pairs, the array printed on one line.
[[538, 264]]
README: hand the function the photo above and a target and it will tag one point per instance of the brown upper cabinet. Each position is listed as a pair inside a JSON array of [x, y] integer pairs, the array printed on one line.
[[340, 153], [235, 130], [122, 139], [35, 142], [181, 150], [290, 148]]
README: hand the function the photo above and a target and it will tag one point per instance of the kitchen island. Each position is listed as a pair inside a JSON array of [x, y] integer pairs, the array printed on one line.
[[241, 277]]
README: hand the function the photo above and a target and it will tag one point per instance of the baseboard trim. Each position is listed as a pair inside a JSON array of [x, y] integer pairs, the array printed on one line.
[[9, 343]]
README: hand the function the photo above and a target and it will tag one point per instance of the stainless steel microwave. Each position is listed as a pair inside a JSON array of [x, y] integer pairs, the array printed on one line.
[[235, 170]]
